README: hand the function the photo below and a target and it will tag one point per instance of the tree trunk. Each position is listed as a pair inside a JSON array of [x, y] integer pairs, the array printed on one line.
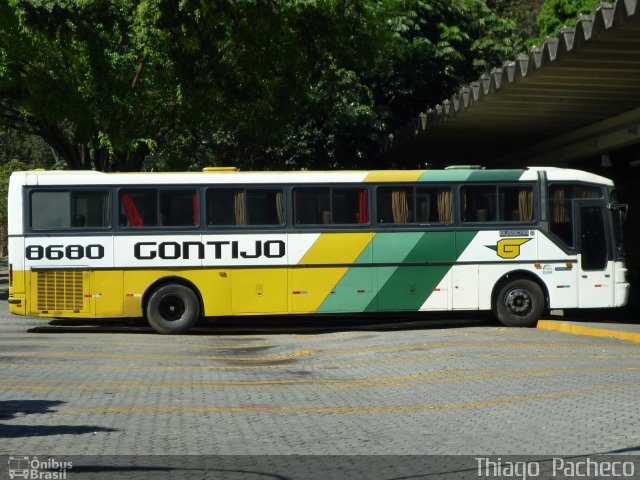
[[56, 139]]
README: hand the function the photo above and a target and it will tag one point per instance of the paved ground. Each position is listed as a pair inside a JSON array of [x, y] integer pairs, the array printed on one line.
[[314, 389], [470, 390]]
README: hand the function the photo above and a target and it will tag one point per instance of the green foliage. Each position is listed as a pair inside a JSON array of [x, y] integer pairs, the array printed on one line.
[[6, 168], [30, 149], [261, 84], [86, 77], [334, 75], [523, 13], [556, 14]]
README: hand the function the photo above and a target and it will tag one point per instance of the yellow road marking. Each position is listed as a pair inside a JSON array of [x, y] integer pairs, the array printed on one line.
[[381, 361], [397, 381], [146, 345], [589, 331], [89, 340], [405, 408], [280, 382], [277, 358], [449, 344], [289, 356]]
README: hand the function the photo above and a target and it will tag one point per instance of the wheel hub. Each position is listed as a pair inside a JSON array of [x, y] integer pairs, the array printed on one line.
[[518, 301], [171, 308]]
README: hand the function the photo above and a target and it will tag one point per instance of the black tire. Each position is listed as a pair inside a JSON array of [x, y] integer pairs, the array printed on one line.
[[172, 309], [519, 303]]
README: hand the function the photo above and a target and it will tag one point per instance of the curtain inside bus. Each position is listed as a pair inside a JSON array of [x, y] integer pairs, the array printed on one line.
[[525, 205], [238, 205], [133, 216], [399, 206], [363, 216], [445, 206], [194, 201], [280, 206]]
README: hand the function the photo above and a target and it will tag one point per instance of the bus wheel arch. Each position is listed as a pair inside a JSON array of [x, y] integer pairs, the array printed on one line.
[[519, 298], [172, 305]]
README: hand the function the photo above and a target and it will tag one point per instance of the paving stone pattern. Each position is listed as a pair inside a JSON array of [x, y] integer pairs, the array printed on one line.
[[485, 390]]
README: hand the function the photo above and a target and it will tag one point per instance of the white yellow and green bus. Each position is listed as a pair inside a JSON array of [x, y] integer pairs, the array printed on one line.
[[176, 247]]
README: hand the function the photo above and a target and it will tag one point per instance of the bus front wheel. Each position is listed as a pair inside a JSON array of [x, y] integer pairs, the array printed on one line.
[[519, 303], [172, 308]]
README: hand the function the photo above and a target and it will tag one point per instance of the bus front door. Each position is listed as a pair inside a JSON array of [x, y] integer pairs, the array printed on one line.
[[595, 274]]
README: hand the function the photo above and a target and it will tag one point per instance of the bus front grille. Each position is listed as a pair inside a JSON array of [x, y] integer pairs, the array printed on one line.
[[60, 290]]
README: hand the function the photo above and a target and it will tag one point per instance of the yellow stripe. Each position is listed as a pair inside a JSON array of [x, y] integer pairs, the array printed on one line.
[[394, 176], [336, 248], [317, 283], [381, 361], [449, 406], [419, 346], [300, 353], [384, 382], [296, 354], [589, 331], [158, 346]]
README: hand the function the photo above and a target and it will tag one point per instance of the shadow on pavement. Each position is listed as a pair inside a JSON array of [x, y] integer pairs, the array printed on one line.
[[14, 409], [282, 325]]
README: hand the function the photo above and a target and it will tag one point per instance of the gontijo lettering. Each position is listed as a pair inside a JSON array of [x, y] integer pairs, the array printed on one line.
[[215, 249]]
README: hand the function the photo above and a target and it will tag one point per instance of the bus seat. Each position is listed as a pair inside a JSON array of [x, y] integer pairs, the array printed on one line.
[[79, 221]]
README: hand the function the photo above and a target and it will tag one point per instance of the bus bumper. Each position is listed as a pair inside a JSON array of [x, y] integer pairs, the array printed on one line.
[[622, 294], [16, 304]]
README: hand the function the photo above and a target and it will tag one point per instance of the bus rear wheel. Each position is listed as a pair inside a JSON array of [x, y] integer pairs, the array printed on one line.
[[173, 309], [519, 303]]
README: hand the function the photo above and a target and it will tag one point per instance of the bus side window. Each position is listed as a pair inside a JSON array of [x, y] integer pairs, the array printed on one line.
[[516, 203], [225, 206], [330, 206], [479, 203], [561, 197], [65, 209], [265, 206], [311, 206], [178, 208], [138, 208], [50, 210], [434, 205], [251, 206], [349, 206], [395, 205], [90, 209]]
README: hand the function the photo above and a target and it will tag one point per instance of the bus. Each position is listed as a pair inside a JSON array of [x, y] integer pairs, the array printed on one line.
[[176, 247]]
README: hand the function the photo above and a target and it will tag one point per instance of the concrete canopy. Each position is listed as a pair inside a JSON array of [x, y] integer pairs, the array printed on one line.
[[576, 96]]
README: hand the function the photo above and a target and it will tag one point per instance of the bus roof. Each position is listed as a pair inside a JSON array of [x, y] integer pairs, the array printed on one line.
[[89, 177]]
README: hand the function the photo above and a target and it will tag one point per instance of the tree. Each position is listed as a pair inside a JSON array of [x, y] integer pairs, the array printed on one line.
[[86, 77], [30, 149], [255, 83], [556, 14], [335, 75], [6, 168], [524, 13]]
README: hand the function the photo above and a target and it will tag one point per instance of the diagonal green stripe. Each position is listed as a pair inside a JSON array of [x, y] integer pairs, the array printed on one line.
[[348, 294], [396, 287], [407, 288], [392, 247]]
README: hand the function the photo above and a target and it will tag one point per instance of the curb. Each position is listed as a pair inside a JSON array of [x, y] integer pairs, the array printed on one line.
[[589, 331]]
